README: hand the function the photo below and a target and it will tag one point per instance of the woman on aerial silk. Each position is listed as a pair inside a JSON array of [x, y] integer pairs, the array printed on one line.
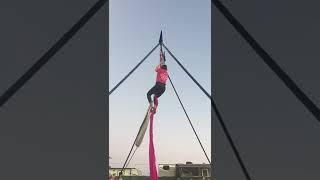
[[158, 89]]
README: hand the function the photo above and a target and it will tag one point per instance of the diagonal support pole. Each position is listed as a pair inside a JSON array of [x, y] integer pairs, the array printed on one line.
[[185, 70], [185, 112], [133, 70], [293, 87], [221, 121], [50, 53]]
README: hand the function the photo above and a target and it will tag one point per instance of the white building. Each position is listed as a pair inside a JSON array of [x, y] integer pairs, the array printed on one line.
[[125, 172], [185, 171]]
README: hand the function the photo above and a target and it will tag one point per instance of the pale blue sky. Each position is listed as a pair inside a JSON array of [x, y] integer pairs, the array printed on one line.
[[134, 30]]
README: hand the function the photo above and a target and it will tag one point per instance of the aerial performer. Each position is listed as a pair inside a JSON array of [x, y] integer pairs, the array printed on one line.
[[159, 88]]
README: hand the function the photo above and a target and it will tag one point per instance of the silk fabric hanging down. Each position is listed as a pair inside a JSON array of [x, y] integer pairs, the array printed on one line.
[[152, 157], [142, 129]]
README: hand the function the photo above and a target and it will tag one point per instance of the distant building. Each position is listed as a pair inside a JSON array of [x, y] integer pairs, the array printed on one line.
[[185, 171], [125, 172]]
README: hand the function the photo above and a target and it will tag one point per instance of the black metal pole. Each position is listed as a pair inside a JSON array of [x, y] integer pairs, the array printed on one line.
[[293, 87], [51, 52], [114, 88], [221, 121]]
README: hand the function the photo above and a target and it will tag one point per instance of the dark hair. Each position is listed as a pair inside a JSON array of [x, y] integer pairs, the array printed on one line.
[[164, 67]]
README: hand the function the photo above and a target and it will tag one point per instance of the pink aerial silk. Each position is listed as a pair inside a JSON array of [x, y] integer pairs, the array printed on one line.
[[152, 157]]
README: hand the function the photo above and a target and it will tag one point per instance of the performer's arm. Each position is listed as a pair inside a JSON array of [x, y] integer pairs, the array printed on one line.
[[162, 58]]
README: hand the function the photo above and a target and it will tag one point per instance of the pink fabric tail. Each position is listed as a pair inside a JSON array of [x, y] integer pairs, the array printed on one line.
[[152, 157]]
